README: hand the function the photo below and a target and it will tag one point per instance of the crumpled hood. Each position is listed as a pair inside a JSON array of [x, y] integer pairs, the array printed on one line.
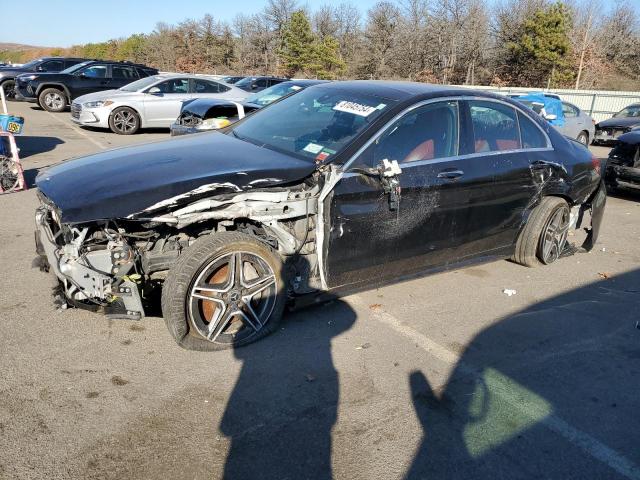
[[620, 122], [156, 176]]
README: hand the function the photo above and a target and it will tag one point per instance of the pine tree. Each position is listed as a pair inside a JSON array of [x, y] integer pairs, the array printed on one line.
[[298, 44]]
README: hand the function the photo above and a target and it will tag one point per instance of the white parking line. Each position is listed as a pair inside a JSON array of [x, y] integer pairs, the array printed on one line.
[[554, 423], [78, 130]]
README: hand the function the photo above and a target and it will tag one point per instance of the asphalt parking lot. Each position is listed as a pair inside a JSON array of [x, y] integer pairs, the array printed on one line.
[[438, 377]]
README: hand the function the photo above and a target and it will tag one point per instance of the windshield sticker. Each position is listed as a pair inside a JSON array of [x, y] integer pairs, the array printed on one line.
[[354, 108], [313, 148], [381, 106], [296, 87], [322, 156]]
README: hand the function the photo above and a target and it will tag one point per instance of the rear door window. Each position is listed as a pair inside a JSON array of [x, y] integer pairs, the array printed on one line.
[[207, 86], [495, 127], [569, 110], [122, 72], [532, 136], [178, 85]]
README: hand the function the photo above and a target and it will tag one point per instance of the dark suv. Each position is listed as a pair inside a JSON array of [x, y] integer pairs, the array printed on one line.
[[256, 84], [8, 74], [54, 91]]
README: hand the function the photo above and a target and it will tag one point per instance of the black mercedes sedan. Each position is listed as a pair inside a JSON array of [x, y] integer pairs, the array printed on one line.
[[342, 186], [623, 165], [608, 131]]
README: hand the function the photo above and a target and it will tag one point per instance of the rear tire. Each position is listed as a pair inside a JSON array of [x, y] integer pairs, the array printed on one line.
[[532, 246], [583, 138], [124, 121], [53, 100], [244, 278], [9, 87]]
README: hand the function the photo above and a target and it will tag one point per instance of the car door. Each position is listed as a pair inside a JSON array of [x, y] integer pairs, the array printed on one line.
[[122, 75], [162, 102], [499, 183], [573, 121], [92, 78], [370, 237]]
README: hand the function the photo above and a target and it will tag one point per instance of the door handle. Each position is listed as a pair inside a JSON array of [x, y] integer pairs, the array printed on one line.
[[450, 174]]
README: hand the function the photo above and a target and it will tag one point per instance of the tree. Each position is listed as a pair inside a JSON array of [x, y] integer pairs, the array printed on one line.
[[298, 44], [540, 52]]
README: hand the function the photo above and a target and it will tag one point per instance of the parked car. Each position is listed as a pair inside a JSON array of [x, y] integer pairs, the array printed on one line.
[[149, 102], [255, 84], [339, 187], [55, 91], [623, 164], [9, 73], [206, 114], [231, 79], [564, 116], [608, 131]]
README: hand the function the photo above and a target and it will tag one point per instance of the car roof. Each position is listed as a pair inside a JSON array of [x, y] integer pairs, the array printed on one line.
[[400, 91], [304, 82]]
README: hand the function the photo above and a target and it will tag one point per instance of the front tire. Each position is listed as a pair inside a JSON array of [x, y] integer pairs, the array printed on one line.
[[9, 87], [52, 100], [544, 237], [124, 121], [225, 291]]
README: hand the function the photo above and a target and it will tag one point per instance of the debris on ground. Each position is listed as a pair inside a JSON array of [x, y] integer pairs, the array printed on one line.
[[509, 292], [309, 377], [605, 275], [375, 306], [364, 346]]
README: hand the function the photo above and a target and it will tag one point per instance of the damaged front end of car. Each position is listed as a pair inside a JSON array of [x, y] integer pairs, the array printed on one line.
[[118, 266]]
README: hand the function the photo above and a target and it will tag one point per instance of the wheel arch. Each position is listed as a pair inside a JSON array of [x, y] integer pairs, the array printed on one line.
[[135, 110], [59, 86]]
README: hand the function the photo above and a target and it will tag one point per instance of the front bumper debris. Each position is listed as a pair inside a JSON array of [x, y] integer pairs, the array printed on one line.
[[595, 206], [87, 280]]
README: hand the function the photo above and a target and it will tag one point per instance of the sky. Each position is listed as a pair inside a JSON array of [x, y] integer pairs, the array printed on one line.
[[62, 23]]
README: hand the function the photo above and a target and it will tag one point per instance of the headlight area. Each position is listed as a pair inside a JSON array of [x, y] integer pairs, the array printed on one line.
[[104, 267], [97, 104]]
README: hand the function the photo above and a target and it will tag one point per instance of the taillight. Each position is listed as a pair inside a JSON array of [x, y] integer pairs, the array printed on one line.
[[595, 162]]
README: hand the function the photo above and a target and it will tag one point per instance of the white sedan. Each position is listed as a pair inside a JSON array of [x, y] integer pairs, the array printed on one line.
[[152, 102]]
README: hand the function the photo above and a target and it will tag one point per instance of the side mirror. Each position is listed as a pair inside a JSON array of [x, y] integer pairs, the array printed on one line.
[[40, 68], [154, 91]]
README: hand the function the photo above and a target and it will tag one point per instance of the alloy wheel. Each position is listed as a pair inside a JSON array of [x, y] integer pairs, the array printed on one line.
[[232, 298], [54, 101], [554, 236], [125, 121]]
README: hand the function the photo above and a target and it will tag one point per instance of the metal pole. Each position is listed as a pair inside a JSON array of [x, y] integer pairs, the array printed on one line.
[[593, 103], [4, 101]]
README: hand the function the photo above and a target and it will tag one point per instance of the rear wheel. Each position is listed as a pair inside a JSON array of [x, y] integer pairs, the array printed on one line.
[[544, 237], [124, 121], [226, 291], [583, 138], [52, 100], [9, 87]]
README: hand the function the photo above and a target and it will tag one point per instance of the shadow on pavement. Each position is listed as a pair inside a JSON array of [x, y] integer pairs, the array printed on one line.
[[33, 145], [280, 415], [549, 392]]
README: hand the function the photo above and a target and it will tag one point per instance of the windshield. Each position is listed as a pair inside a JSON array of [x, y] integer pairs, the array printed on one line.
[[140, 84], [630, 111], [75, 67], [314, 124], [271, 94]]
